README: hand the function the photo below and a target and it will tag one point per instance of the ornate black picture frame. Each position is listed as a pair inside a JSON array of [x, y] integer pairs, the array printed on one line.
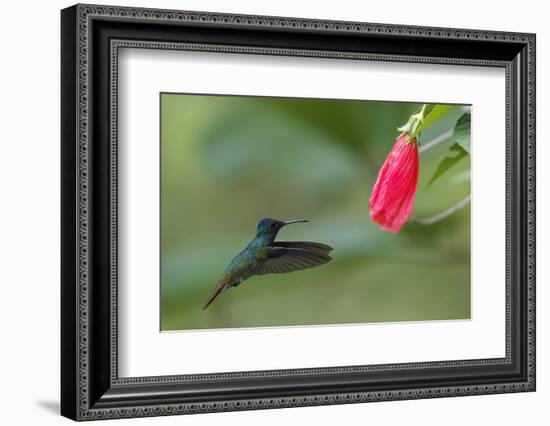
[[91, 36]]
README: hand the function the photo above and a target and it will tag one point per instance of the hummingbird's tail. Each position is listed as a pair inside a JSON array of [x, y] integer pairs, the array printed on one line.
[[221, 286]]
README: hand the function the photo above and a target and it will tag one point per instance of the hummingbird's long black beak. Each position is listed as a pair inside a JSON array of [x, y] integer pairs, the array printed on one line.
[[288, 222]]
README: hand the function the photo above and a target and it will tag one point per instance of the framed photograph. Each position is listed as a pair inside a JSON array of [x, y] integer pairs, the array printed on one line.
[[263, 212]]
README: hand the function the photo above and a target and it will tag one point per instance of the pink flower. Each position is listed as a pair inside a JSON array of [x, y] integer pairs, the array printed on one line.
[[392, 197]]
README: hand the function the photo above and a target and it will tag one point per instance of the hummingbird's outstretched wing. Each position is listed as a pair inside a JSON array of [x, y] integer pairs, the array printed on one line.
[[306, 245], [284, 257]]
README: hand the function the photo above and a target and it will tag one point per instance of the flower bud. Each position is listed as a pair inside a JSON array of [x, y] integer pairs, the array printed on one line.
[[392, 199]]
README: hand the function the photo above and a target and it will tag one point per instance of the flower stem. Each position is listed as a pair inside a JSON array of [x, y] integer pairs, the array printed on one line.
[[422, 111], [435, 141], [411, 128], [444, 214]]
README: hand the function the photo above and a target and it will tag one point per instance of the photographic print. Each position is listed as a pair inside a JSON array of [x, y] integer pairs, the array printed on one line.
[[300, 212], [303, 192], [311, 194]]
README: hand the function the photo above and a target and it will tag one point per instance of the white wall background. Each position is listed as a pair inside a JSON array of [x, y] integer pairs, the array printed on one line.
[[29, 212]]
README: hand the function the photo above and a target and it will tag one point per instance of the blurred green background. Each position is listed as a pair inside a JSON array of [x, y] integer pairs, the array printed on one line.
[[228, 161]]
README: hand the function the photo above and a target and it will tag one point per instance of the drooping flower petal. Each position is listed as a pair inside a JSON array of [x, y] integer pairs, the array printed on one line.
[[392, 198]]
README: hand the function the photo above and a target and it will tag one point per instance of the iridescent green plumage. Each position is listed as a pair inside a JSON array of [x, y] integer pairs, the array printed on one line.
[[264, 255]]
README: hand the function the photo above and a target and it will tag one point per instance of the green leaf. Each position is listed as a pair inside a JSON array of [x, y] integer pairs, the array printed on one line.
[[462, 132], [448, 162], [433, 113]]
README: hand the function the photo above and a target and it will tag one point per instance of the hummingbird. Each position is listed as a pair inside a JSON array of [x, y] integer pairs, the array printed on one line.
[[263, 255]]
